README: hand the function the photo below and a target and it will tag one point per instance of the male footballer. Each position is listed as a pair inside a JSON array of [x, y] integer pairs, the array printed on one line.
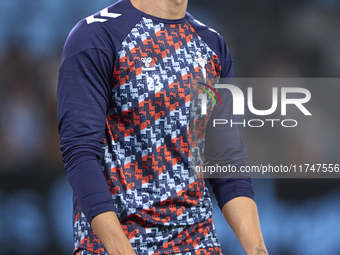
[[126, 79]]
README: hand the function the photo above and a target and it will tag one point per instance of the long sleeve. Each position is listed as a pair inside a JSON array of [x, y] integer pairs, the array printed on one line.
[[224, 145], [83, 96]]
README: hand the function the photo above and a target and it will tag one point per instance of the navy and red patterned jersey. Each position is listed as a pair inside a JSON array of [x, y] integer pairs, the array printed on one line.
[[124, 110]]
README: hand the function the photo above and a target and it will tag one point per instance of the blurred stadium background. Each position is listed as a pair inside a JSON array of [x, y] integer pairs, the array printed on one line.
[[291, 38]]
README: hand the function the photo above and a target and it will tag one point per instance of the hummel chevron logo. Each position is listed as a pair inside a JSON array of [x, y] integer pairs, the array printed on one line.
[[104, 13]]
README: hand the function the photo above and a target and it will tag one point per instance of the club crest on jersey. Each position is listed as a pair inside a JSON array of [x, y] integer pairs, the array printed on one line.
[[147, 61], [202, 62]]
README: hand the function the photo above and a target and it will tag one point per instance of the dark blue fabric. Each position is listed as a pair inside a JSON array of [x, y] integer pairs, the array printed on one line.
[[82, 103], [226, 189], [225, 147], [90, 186], [83, 90]]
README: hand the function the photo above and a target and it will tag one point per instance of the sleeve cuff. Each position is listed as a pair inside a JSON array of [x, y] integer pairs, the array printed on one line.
[[228, 189]]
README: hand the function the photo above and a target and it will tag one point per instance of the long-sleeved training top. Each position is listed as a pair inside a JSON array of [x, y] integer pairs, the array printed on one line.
[[131, 129]]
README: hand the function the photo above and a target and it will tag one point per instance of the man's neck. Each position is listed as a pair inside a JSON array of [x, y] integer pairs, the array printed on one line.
[[165, 9]]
